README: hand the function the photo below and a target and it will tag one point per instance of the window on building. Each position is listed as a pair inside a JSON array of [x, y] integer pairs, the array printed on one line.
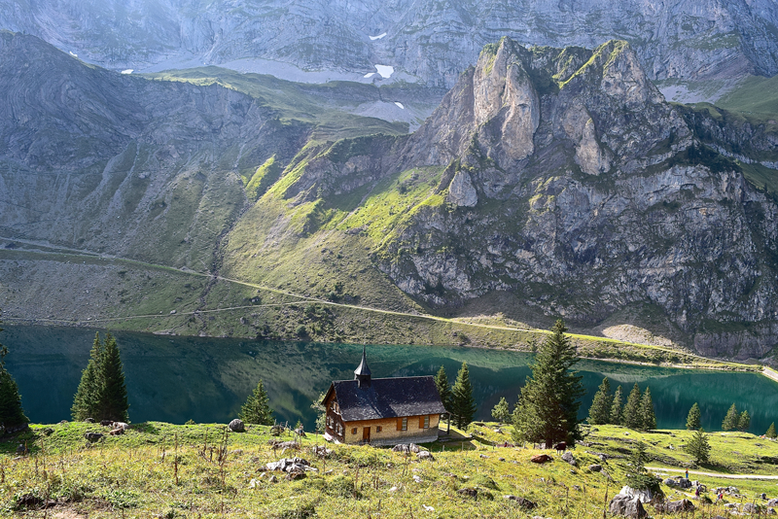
[[353, 430], [404, 426], [426, 422], [329, 421], [378, 428]]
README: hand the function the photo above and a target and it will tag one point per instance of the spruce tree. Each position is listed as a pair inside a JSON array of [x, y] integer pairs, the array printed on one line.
[[637, 476], [102, 394], [85, 400], [548, 403], [599, 412], [11, 412], [257, 410], [444, 390], [693, 418], [698, 447], [617, 407], [632, 417], [647, 414], [463, 406], [112, 400], [501, 412], [744, 422], [731, 420], [771, 431]]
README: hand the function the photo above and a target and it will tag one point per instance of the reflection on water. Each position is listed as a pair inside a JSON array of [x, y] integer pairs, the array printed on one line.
[[175, 379]]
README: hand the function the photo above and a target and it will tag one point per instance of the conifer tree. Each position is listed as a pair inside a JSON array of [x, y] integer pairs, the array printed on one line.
[[112, 400], [617, 407], [647, 414], [731, 420], [444, 390], [599, 412], [693, 418], [632, 417], [698, 447], [11, 412], [101, 393], [463, 406], [548, 403], [85, 400], [637, 476], [501, 412], [257, 410], [771, 431], [744, 421]]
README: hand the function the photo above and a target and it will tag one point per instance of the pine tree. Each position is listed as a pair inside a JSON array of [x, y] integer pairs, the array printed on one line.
[[257, 410], [647, 414], [11, 412], [102, 394], [731, 420], [548, 403], [599, 412], [771, 431], [463, 406], [617, 407], [321, 412], [693, 418], [112, 400], [632, 409], [744, 422], [637, 476], [501, 412], [698, 447], [444, 390], [85, 400]]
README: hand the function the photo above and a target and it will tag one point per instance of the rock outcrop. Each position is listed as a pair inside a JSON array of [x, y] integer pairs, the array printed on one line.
[[423, 40]]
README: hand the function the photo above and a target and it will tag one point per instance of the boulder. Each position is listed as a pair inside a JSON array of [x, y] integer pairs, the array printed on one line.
[[627, 506], [89, 420], [414, 448], [468, 492], [117, 431], [595, 468], [676, 507], [48, 431], [645, 496], [289, 465], [773, 502], [568, 457], [425, 455], [678, 482], [237, 425], [93, 437], [295, 475], [21, 449], [401, 447], [541, 458], [751, 508], [106, 423], [524, 504]]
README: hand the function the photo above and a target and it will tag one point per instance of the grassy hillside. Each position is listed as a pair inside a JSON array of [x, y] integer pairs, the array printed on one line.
[[327, 106], [161, 470], [756, 95]]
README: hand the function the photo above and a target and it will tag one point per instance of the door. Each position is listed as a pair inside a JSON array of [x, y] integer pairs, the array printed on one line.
[[366, 434]]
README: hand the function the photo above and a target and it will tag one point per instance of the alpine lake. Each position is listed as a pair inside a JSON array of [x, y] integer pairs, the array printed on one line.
[[175, 379]]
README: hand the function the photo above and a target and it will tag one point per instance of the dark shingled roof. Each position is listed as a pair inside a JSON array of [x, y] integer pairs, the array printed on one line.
[[387, 398]]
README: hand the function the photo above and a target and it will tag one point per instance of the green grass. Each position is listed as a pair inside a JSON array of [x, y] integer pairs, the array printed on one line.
[[326, 107], [756, 95], [163, 470]]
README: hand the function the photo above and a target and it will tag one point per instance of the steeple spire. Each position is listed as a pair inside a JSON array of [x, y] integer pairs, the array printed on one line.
[[362, 374]]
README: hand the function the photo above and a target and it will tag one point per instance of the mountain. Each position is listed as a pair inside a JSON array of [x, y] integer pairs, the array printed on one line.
[[424, 41], [549, 182]]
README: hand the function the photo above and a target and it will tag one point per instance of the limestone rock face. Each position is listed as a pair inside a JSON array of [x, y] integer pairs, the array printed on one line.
[[424, 40], [596, 196], [461, 191]]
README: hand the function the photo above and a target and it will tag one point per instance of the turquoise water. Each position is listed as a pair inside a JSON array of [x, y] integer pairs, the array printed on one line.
[[175, 379]]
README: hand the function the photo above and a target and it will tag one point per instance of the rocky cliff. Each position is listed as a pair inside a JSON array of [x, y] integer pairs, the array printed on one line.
[[563, 178], [427, 40]]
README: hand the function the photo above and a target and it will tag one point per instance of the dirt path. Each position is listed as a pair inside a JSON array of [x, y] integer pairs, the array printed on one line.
[[770, 373], [713, 474]]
